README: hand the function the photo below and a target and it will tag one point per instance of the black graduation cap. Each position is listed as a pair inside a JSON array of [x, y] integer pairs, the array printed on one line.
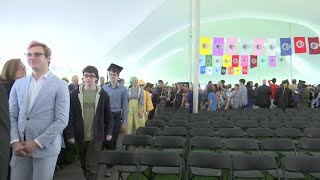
[[285, 81], [302, 82], [149, 85], [115, 67]]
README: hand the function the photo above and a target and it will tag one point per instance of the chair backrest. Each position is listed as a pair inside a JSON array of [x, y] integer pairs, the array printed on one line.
[[312, 144], [199, 119], [296, 124], [223, 124], [230, 132], [280, 118], [259, 132], [271, 124], [174, 131], [178, 123], [205, 142], [169, 142], [247, 124], [242, 144], [254, 162], [200, 125], [312, 132], [137, 140], [314, 125], [288, 132], [156, 123], [277, 144], [116, 157], [160, 159], [238, 118], [151, 131], [209, 160], [303, 164], [201, 132]]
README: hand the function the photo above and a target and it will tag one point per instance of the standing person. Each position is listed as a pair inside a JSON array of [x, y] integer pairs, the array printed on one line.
[[234, 99], [39, 111], [118, 95], [102, 81], [75, 83], [148, 106], [160, 96], [90, 121], [250, 94], [303, 95], [177, 101], [274, 87], [12, 70], [136, 105], [212, 100], [262, 95], [283, 96], [4, 134], [243, 94]]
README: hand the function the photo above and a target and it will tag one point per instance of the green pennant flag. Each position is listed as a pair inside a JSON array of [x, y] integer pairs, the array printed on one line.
[[208, 60], [263, 61]]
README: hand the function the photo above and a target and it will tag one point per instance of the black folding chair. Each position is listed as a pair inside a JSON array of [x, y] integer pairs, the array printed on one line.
[[208, 164], [310, 146], [135, 141], [151, 131], [201, 132], [259, 133], [205, 143], [174, 131], [312, 132]]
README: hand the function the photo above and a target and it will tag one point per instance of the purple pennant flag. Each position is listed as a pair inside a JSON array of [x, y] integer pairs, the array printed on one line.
[[272, 61], [218, 45]]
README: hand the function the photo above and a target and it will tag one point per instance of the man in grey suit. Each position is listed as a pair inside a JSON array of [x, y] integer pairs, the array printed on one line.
[[39, 111], [4, 134]]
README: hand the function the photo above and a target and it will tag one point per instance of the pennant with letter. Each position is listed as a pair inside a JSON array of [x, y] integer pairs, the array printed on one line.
[[272, 61], [217, 60], [208, 59], [253, 61], [218, 45], [209, 70], [271, 46], [235, 60], [244, 70], [201, 60], [232, 48], [237, 70], [244, 60], [314, 47], [217, 70], [258, 46], [244, 47], [230, 70], [285, 44], [202, 70], [205, 43], [263, 61], [226, 61], [300, 45], [223, 70]]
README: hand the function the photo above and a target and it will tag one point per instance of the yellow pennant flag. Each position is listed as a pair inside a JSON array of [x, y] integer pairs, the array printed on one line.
[[237, 70], [226, 61], [205, 46]]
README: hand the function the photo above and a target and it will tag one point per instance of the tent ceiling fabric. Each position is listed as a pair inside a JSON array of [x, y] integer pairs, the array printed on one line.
[[135, 34]]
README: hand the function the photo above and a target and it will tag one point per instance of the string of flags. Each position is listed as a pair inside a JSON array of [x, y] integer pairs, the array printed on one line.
[[236, 55]]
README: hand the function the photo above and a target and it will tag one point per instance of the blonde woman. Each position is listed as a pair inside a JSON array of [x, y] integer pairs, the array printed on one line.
[[136, 106], [148, 106]]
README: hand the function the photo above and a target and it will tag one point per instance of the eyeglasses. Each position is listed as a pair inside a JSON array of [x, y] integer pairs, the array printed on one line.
[[91, 76], [21, 68], [36, 54], [141, 85]]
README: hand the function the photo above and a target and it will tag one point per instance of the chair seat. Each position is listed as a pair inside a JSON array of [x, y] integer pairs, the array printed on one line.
[[315, 175], [129, 169], [206, 171], [166, 170], [180, 151], [271, 153], [248, 174], [290, 175]]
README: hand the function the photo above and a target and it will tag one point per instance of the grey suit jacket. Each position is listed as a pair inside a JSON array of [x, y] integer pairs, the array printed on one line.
[[48, 115], [4, 134]]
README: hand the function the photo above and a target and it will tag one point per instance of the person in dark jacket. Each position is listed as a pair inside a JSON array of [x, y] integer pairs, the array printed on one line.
[[4, 134], [262, 95], [250, 94], [90, 121], [283, 96], [12, 70]]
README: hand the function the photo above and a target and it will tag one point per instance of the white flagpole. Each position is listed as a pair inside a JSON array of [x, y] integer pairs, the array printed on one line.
[[196, 57]]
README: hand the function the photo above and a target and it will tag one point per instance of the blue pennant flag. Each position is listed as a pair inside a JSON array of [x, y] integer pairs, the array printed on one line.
[[202, 69], [285, 44]]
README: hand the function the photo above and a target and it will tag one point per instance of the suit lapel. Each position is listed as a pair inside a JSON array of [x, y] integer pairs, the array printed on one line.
[[26, 92], [44, 87]]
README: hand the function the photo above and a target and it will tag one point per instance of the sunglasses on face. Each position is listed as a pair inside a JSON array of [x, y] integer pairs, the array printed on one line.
[[91, 76]]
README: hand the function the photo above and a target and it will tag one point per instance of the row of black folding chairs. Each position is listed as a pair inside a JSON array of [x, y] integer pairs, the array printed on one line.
[[151, 163], [244, 124], [231, 132]]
